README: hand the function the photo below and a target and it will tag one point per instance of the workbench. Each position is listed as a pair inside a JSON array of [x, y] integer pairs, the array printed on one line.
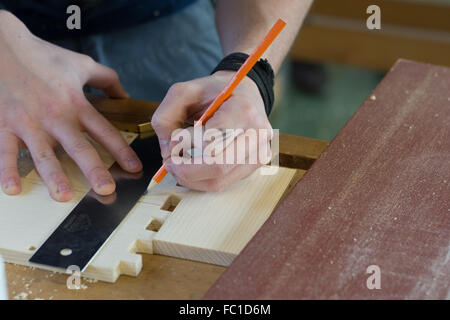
[[161, 277], [336, 32], [377, 195]]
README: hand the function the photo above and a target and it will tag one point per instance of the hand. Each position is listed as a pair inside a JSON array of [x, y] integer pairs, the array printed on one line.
[[186, 102], [42, 104]]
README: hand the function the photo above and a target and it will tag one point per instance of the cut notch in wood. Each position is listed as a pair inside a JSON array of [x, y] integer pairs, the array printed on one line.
[[171, 203]]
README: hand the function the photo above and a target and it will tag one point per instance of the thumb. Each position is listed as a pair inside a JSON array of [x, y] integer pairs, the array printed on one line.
[[107, 80], [181, 101]]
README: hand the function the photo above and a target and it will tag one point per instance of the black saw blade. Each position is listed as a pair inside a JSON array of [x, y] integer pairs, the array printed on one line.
[[90, 224]]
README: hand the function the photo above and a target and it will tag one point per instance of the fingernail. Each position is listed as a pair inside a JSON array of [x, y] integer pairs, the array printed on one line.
[[10, 185], [62, 188], [105, 186], [133, 163], [105, 182]]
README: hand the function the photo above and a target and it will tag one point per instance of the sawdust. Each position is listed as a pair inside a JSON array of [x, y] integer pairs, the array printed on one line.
[[91, 280], [21, 296]]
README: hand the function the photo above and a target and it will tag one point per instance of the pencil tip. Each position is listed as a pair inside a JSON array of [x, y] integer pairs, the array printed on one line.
[[152, 184]]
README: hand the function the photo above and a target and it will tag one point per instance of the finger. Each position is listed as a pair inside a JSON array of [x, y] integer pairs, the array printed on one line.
[[181, 100], [219, 184], [106, 79], [87, 158], [236, 115], [47, 165], [196, 140], [184, 140], [240, 153], [197, 172], [107, 135], [9, 176]]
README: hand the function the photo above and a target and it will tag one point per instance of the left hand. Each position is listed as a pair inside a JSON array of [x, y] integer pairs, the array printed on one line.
[[186, 102]]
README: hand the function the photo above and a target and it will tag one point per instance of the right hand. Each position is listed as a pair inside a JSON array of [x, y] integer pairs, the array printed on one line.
[[42, 104]]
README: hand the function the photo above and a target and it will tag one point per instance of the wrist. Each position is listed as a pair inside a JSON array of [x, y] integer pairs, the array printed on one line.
[[247, 87], [261, 74], [247, 82]]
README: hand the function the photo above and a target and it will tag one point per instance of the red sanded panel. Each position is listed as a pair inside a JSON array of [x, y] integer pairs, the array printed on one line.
[[379, 195]]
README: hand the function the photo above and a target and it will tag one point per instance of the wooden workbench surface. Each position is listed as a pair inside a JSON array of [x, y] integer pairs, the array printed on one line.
[[378, 197], [161, 277]]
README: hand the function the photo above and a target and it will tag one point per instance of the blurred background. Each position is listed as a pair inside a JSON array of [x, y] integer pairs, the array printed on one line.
[[337, 61]]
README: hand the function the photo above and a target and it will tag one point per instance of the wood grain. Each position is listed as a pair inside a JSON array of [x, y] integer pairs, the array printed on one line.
[[218, 229], [378, 195], [161, 277], [28, 219]]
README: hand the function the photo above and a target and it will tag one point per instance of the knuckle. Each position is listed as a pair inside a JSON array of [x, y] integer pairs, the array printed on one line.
[[156, 120], [124, 151], [75, 97], [114, 75], [87, 60], [7, 171], [43, 156], [158, 124], [57, 176], [110, 132], [50, 110], [182, 88], [16, 111], [248, 110], [4, 152], [261, 121], [80, 146], [95, 171]]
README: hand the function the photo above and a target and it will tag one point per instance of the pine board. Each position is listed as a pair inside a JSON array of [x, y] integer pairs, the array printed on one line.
[[27, 220]]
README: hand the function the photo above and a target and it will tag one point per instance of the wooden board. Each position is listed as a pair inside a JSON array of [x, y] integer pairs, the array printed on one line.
[[378, 195], [214, 229], [161, 277], [27, 220]]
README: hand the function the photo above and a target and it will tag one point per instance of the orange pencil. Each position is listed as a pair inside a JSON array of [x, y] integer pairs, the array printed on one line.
[[228, 90]]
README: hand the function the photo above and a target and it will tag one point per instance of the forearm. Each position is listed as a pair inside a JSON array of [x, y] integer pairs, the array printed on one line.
[[242, 24]]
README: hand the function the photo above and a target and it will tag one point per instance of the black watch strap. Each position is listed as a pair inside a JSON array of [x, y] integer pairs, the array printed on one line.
[[262, 74]]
